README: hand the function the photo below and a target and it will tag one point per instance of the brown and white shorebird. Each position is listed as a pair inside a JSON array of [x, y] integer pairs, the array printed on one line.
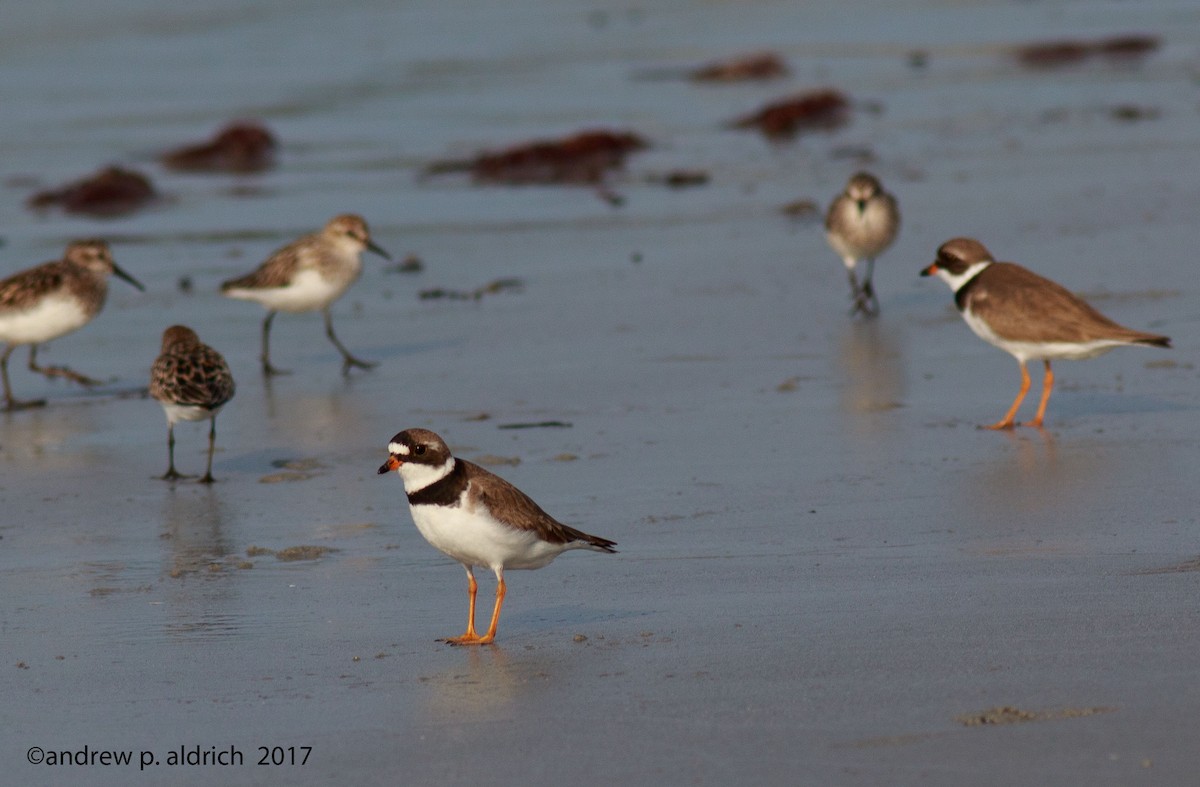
[[1027, 316], [861, 223], [192, 382], [306, 275], [477, 518], [52, 300]]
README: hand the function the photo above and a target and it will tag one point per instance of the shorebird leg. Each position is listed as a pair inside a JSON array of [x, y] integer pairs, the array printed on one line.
[[1047, 387], [268, 369], [212, 443], [501, 592], [9, 402], [348, 360], [1007, 421], [470, 637], [868, 290], [171, 474], [856, 292], [57, 371]]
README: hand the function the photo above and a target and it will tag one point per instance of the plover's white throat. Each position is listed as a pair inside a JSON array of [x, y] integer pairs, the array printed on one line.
[[860, 224], [309, 274], [52, 300], [1027, 316], [192, 382], [477, 518]]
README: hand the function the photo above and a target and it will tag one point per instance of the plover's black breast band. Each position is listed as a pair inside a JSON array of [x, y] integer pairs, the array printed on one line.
[[445, 491]]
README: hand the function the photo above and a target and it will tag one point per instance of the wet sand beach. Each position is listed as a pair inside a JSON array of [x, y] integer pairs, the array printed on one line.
[[827, 574]]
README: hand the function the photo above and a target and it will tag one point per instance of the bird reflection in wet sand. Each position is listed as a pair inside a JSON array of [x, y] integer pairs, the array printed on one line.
[[1050, 477], [52, 300], [192, 382], [872, 370], [195, 531], [483, 688], [196, 547]]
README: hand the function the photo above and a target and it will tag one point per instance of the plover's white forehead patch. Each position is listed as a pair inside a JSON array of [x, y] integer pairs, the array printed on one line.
[[398, 448]]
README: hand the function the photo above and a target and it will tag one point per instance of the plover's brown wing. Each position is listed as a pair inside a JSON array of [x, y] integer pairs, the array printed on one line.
[[1021, 306], [517, 510], [27, 287], [199, 377], [277, 271]]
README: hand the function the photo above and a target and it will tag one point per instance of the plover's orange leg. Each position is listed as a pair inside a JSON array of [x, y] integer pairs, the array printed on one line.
[[490, 636], [1008, 420], [1047, 387], [501, 591], [58, 371], [470, 637]]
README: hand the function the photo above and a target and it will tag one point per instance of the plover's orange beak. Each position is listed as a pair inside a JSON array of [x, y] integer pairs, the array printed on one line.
[[391, 464], [931, 270]]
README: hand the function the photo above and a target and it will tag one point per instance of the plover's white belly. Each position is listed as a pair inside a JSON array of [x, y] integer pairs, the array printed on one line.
[[1037, 351], [51, 317], [476, 539], [308, 291]]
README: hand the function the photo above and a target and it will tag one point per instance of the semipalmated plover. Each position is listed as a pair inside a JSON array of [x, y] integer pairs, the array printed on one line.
[[477, 518], [52, 300], [861, 223], [1026, 315], [309, 274], [192, 382]]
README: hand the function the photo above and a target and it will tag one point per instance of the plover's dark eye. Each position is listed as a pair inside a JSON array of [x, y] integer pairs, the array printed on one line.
[[419, 450]]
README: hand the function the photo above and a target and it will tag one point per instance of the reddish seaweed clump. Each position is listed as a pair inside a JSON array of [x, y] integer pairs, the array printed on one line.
[[820, 110], [240, 147], [757, 66], [580, 159], [1052, 54], [112, 191], [1128, 45]]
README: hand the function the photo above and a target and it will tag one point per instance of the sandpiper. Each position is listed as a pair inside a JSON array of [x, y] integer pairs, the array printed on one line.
[[192, 382], [477, 518], [309, 274], [1027, 316], [52, 300], [861, 223]]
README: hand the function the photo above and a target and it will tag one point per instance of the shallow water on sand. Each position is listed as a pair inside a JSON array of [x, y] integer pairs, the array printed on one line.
[[823, 563]]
